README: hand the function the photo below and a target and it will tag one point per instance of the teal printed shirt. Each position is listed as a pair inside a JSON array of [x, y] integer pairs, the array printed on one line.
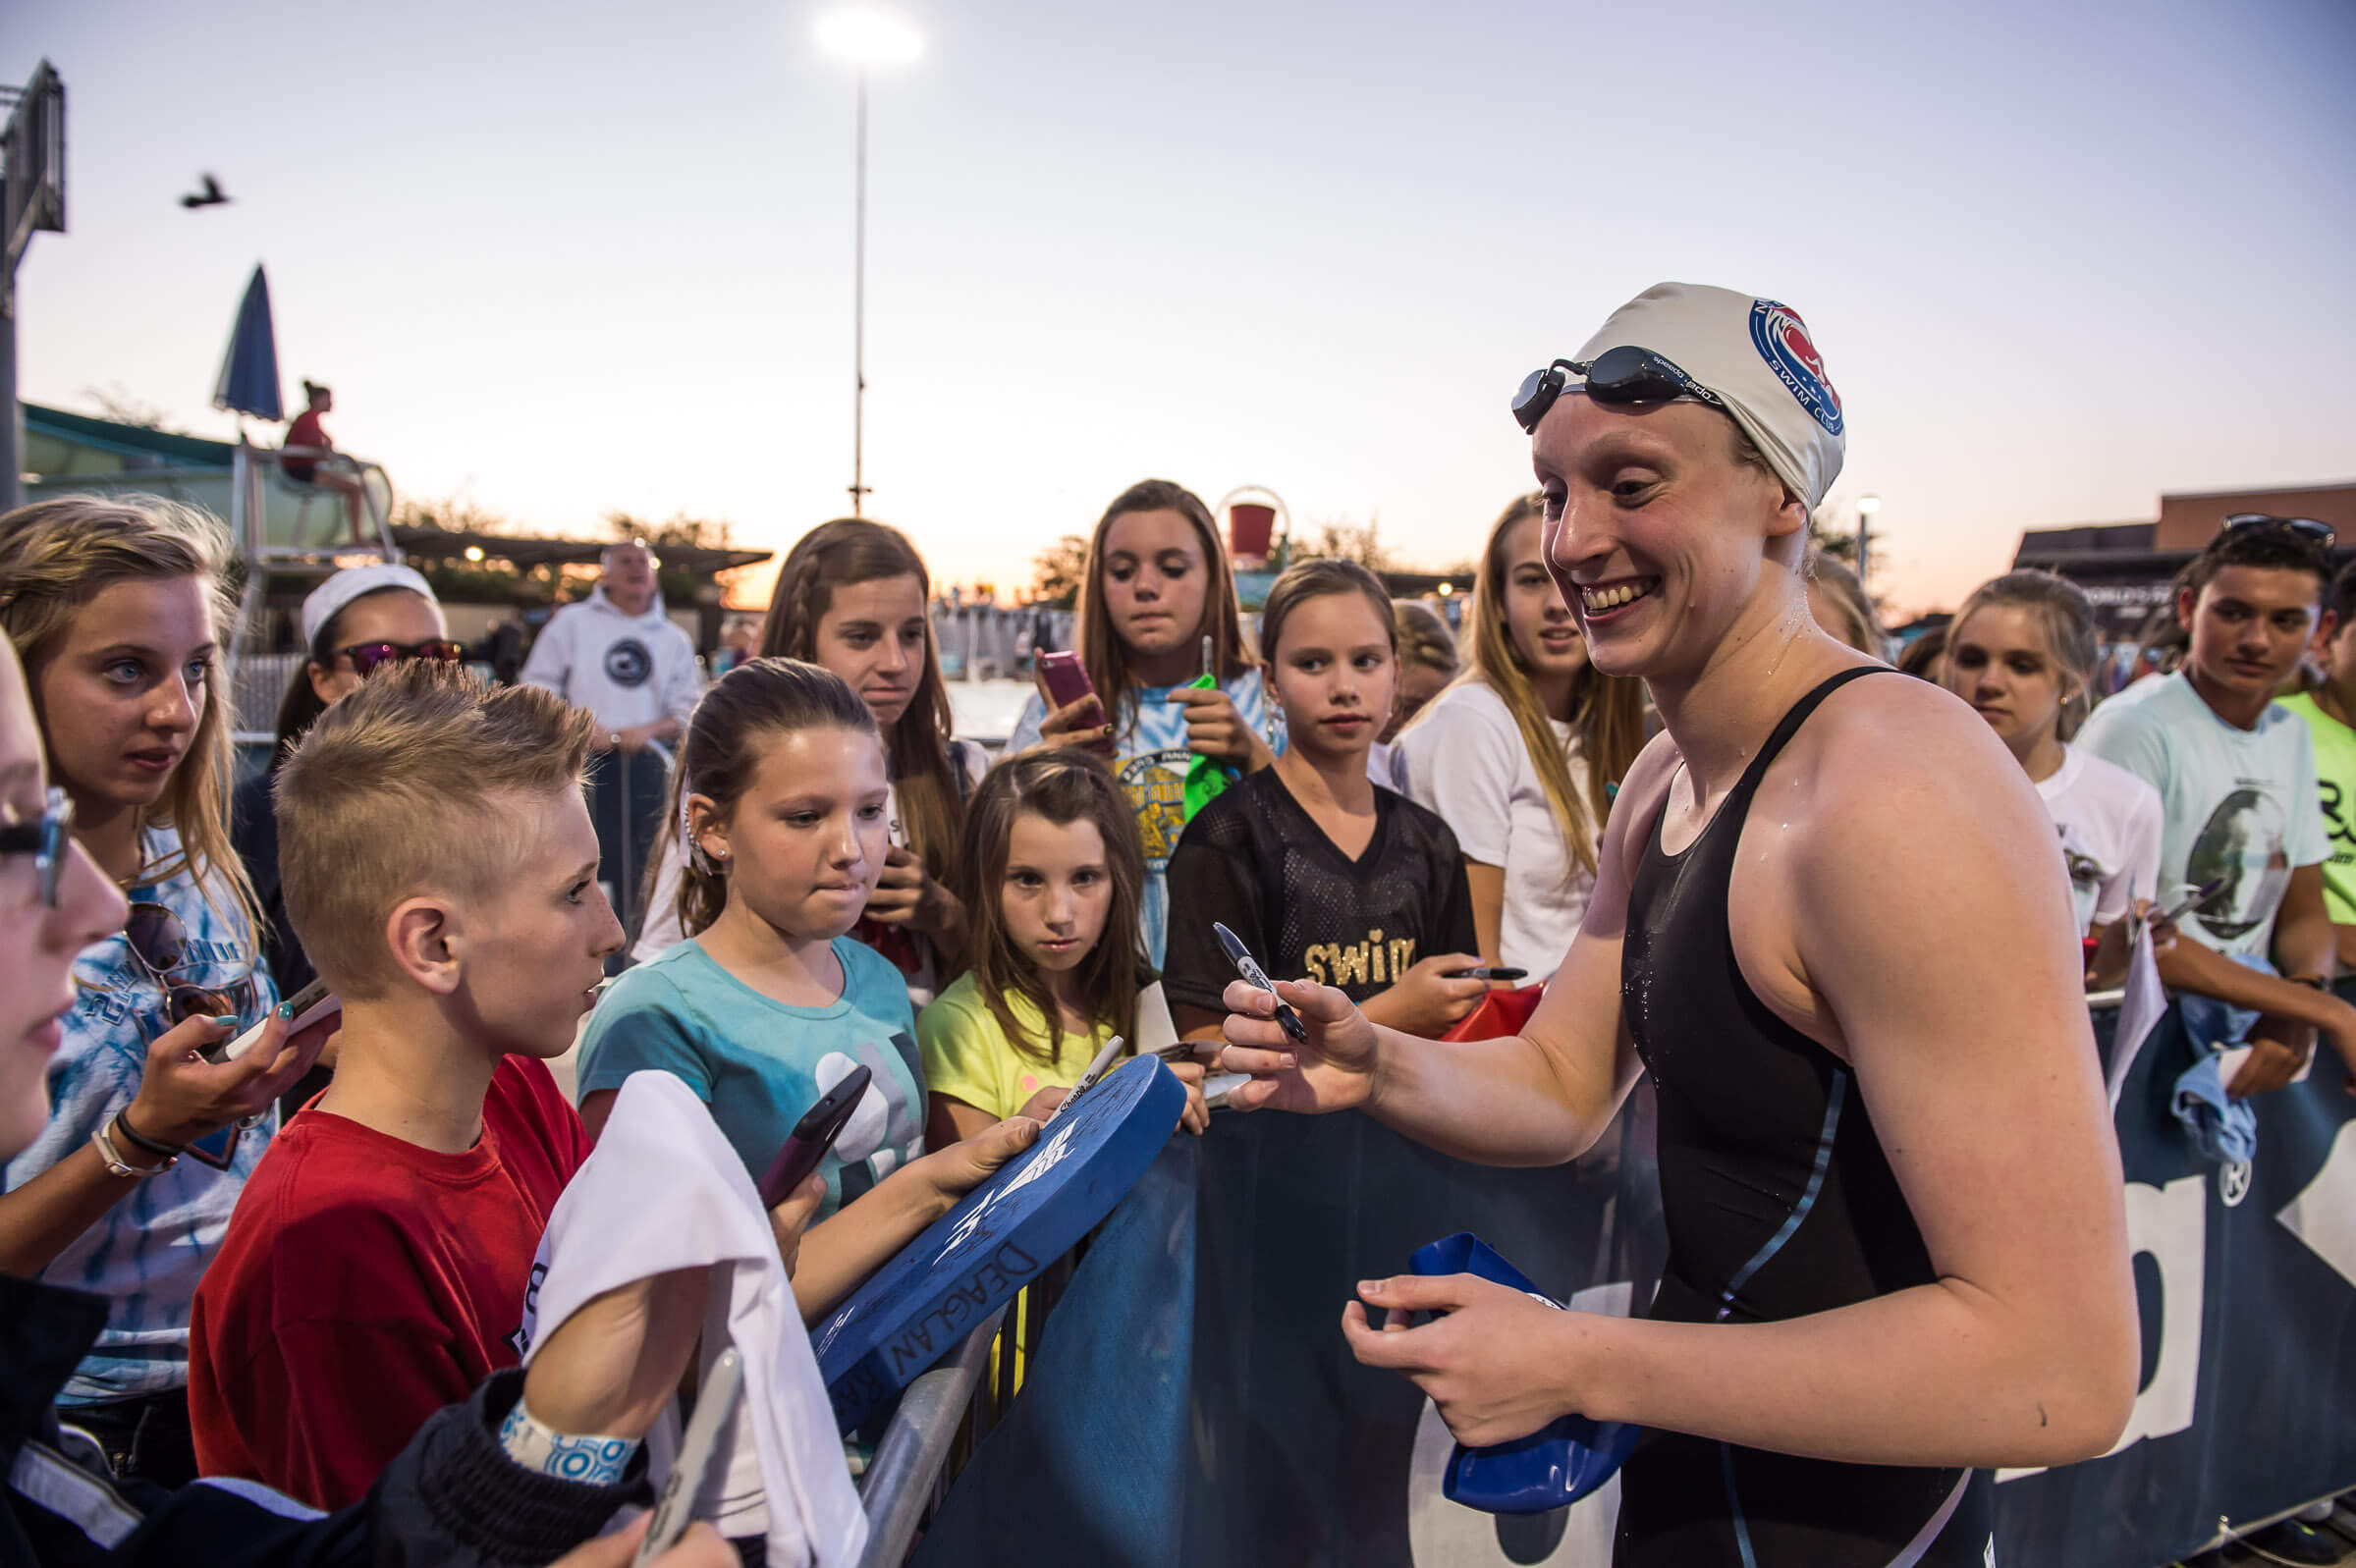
[[1150, 760], [147, 1254], [760, 1065]]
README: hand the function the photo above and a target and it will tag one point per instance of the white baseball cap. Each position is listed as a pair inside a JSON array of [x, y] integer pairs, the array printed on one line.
[[350, 583], [1757, 357]]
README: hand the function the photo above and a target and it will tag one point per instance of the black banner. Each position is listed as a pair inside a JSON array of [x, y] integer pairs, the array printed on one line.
[[1194, 1401]]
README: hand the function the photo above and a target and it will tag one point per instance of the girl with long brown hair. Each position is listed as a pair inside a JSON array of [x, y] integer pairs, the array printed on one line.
[[116, 608], [1520, 756], [1158, 614], [853, 597], [1051, 871]]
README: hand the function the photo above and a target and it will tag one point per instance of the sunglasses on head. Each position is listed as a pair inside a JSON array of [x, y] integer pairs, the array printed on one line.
[[44, 838], [2304, 528], [160, 943], [369, 657], [1623, 375]]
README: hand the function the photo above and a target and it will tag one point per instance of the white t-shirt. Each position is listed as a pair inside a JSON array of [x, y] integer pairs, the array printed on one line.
[[2238, 805], [2110, 826], [664, 1191], [1465, 759]]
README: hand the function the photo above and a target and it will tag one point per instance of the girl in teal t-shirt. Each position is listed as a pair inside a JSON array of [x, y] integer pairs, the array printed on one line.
[[781, 791]]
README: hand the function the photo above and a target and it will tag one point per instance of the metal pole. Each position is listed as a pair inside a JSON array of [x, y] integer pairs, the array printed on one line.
[[12, 415], [858, 322], [1864, 521]]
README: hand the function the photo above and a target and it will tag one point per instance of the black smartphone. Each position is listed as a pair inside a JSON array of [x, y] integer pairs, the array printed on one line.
[[812, 1136], [1490, 972], [2192, 900]]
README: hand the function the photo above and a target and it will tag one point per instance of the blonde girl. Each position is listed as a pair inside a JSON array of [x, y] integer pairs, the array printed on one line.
[[1521, 755]]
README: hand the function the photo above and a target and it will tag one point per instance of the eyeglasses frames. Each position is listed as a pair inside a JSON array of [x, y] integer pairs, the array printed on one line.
[[1623, 375], [160, 943], [369, 656], [2305, 527], [46, 837]]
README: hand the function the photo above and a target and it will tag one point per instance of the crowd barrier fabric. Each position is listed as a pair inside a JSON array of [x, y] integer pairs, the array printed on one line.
[[1272, 1445]]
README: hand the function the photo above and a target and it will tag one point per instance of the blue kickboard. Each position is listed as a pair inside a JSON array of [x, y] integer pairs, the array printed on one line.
[[1552, 1467], [917, 1308]]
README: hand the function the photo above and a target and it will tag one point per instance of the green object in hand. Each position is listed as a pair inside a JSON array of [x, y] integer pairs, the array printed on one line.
[[1207, 778]]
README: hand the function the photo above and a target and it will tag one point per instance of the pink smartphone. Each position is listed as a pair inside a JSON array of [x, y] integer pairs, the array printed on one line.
[[1066, 678]]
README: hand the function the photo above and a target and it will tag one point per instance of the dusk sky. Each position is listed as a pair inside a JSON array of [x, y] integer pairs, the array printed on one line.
[[560, 259]]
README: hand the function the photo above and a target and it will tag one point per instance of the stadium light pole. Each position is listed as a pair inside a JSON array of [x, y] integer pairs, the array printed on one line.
[[1867, 505], [865, 39]]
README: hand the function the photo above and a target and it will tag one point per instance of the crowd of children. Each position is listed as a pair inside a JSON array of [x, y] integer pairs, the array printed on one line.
[[290, 1297]]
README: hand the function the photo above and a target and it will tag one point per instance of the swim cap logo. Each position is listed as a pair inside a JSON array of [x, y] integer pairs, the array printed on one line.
[[1782, 338]]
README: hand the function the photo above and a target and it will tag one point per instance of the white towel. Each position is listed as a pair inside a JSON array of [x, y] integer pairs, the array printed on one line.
[[664, 1191]]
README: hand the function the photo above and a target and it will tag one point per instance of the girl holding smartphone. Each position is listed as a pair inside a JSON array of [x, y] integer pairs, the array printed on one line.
[[1156, 591]]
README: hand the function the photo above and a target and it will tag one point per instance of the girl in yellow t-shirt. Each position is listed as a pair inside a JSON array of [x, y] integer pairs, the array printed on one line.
[[1050, 873]]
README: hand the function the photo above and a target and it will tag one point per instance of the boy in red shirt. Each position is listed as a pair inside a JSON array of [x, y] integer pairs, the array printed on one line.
[[440, 868]]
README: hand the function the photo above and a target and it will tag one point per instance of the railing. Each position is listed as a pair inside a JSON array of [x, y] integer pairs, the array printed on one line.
[[908, 1474]]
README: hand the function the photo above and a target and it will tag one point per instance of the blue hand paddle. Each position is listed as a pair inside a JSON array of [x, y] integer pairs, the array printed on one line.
[[915, 1309], [1552, 1467]]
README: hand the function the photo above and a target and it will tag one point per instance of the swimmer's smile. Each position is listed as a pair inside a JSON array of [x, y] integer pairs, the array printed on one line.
[[1603, 600]]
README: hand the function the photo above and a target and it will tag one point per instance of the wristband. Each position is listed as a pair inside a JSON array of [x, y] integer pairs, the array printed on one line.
[[586, 1461], [117, 1165], [2316, 981], [161, 1151]]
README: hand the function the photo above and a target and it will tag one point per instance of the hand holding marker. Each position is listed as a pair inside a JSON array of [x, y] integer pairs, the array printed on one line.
[[1249, 968], [1096, 1071]]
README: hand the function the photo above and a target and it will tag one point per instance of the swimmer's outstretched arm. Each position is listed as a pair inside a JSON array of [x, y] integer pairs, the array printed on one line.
[[1539, 1098], [1945, 963]]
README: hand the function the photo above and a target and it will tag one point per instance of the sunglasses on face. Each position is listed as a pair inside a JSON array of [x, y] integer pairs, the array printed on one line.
[[369, 657], [45, 838], [2304, 528], [160, 943], [1623, 375]]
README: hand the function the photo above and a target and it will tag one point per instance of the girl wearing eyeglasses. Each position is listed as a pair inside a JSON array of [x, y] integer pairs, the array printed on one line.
[[354, 623], [112, 605]]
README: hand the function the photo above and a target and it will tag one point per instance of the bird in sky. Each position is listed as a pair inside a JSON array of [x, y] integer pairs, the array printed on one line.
[[209, 196]]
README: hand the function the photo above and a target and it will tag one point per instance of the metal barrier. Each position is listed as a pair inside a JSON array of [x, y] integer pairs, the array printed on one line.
[[910, 1472], [944, 1415], [626, 790]]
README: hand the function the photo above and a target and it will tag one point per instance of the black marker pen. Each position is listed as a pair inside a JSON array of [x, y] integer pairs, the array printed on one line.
[[1249, 968]]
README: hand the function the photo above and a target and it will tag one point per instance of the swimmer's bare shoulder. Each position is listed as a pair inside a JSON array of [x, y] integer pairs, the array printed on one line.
[[1897, 834]]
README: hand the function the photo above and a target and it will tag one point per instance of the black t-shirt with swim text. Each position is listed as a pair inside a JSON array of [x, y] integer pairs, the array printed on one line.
[[1254, 860]]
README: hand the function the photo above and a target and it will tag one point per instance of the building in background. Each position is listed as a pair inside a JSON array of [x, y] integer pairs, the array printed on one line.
[[2126, 568]]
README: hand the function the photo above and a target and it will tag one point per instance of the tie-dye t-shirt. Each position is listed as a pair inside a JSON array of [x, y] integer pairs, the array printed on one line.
[[1150, 760], [147, 1254]]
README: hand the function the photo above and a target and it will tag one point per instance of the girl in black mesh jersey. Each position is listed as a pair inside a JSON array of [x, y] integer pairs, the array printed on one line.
[[1322, 873]]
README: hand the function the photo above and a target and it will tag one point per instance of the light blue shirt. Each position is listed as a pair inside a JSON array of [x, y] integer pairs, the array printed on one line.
[[760, 1065], [2238, 804], [147, 1255], [1150, 761]]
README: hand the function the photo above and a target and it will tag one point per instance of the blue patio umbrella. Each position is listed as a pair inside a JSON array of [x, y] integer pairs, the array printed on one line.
[[249, 381]]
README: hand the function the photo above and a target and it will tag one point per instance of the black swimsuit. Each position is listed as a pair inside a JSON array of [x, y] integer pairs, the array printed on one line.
[[1779, 1204]]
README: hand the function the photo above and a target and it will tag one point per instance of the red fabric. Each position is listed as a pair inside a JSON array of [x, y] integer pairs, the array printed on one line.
[[366, 1282], [1501, 1013], [303, 431]]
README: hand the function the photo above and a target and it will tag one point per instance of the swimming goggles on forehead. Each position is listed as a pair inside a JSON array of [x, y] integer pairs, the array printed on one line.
[[44, 838], [2305, 527], [1623, 375]]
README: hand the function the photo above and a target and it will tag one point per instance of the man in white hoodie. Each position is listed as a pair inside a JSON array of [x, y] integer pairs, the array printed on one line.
[[616, 654]]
